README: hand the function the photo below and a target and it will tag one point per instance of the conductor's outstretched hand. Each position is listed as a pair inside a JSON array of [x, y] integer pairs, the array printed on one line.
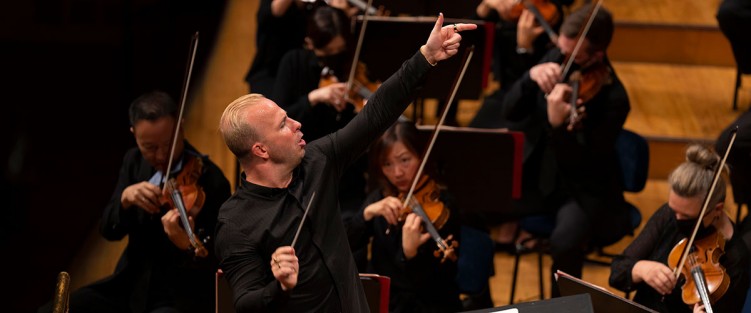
[[444, 40]]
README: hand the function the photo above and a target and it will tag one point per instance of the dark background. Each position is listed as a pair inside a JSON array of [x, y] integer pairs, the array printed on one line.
[[70, 69]]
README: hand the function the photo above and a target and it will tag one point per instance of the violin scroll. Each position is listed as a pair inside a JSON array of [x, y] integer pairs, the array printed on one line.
[[446, 250]]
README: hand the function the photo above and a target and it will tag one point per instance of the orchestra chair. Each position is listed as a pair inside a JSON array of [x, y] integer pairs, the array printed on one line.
[[223, 299], [738, 161], [475, 266], [732, 18], [377, 289], [633, 152], [60, 303]]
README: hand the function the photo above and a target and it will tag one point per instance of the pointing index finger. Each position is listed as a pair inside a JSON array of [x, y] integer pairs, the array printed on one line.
[[458, 27]]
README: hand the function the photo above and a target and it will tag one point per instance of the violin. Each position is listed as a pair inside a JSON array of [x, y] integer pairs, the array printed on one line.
[[427, 195], [586, 82], [545, 11], [705, 278], [360, 89], [585, 85], [698, 259], [186, 183], [426, 204]]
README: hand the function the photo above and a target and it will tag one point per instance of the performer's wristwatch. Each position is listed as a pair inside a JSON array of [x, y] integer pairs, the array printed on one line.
[[520, 50]]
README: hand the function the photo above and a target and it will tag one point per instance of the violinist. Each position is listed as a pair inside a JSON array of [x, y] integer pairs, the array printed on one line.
[[322, 109], [402, 250], [519, 43], [280, 27], [643, 266], [298, 90], [572, 174], [281, 172], [159, 269]]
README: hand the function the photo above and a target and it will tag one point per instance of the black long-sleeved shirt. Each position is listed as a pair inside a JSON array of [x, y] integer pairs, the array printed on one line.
[[274, 37], [153, 271], [654, 243], [582, 163], [257, 220], [421, 284]]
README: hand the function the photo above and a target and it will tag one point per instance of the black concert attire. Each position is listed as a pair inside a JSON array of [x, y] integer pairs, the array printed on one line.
[[421, 284], [274, 37], [574, 176], [257, 220], [299, 74], [654, 243], [152, 272], [509, 64]]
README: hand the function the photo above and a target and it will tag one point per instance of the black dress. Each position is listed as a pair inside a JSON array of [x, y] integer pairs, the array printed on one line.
[[421, 284], [654, 243]]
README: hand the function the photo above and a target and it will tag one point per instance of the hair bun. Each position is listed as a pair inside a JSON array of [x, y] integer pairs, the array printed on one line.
[[702, 156]]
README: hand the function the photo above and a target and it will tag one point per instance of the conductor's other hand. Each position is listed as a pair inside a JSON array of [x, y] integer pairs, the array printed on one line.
[[284, 266], [444, 40]]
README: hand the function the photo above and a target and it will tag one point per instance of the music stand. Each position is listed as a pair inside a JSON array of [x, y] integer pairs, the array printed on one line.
[[580, 303], [389, 41], [602, 299], [480, 167]]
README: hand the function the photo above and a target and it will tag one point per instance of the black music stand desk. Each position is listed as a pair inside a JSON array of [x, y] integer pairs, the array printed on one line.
[[602, 300], [580, 303], [389, 41], [480, 167]]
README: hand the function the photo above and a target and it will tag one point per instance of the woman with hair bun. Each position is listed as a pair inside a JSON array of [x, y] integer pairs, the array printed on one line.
[[643, 265]]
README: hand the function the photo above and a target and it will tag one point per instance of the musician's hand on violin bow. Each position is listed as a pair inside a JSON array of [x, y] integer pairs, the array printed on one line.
[[546, 75], [412, 235], [174, 229], [144, 195], [655, 274], [559, 108], [444, 40], [389, 207], [332, 95]]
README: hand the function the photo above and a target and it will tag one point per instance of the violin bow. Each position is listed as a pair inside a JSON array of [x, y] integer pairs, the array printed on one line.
[[443, 246], [580, 38], [574, 114], [356, 57], [468, 56], [174, 191], [718, 172]]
